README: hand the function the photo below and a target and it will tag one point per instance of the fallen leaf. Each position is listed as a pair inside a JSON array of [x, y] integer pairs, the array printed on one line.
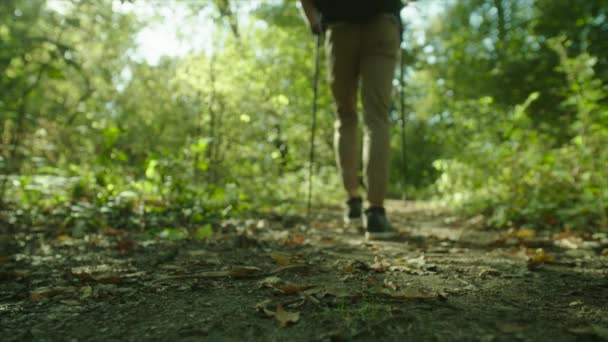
[[113, 232], [390, 284], [281, 258], [295, 268], [355, 265], [204, 232], [551, 220], [283, 286], [262, 307], [63, 237], [572, 242], [236, 272], [372, 282], [525, 233], [70, 302], [380, 265], [539, 257], [442, 296], [286, 317], [418, 262], [400, 268], [270, 282], [296, 240], [125, 246], [86, 292], [45, 292], [244, 271], [104, 278], [281, 315], [567, 233]]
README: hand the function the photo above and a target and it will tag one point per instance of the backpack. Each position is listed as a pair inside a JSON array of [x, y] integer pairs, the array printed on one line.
[[355, 11]]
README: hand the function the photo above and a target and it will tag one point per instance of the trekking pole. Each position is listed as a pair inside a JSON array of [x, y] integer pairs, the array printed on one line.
[[315, 91], [402, 107]]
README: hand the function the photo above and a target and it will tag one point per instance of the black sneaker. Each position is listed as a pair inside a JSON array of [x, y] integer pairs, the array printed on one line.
[[352, 213], [376, 225]]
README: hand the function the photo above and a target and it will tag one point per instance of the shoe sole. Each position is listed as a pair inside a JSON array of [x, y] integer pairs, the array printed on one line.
[[380, 235]]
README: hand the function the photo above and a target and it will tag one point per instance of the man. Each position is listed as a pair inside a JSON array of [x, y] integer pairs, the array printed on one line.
[[362, 44]]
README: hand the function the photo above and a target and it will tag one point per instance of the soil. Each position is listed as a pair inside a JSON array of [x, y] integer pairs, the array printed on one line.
[[276, 278]]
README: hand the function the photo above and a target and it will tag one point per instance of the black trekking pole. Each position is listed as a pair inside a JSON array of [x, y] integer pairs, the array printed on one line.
[[315, 90], [402, 107]]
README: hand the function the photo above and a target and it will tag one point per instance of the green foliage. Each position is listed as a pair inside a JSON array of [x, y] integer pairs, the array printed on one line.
[[517, 174], [93, 136]]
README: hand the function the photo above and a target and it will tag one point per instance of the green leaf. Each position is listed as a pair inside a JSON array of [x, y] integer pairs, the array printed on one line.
[[204, 232], [55, 73]]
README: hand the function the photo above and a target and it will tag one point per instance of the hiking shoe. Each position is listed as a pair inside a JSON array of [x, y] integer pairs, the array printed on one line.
[[376, 225], [353, 210]]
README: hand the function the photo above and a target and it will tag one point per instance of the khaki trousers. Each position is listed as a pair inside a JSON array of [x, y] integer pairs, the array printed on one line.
[[367, 53]]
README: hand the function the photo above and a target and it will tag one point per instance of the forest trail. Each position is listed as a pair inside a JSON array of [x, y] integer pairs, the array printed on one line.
[[273, 278]]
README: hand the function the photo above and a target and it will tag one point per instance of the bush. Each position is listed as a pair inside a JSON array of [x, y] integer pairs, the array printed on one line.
[[516, 173]]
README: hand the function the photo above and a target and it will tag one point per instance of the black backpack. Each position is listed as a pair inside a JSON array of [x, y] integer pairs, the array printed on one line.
[[356, 11]]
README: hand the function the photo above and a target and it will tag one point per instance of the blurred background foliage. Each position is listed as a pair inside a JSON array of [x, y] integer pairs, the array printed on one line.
[[505, 99]]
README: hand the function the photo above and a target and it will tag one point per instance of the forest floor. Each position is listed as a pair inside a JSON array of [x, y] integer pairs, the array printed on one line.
[[275, 279]]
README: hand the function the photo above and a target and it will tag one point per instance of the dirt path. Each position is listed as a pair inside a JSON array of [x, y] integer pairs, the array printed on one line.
[[271, 279]]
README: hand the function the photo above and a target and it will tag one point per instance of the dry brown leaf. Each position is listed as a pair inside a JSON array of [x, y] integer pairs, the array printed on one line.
[[286, 317], [567, 233], [125, 247], [372, 282], [296, 240], [45, 292], [113, 232], [283, 286], [106, 276]]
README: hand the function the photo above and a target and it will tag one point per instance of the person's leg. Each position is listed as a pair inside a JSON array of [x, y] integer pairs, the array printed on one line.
[[342, 47], [380, 49]]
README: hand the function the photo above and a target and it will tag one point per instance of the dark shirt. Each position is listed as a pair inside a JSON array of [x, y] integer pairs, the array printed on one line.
[[355, 11]]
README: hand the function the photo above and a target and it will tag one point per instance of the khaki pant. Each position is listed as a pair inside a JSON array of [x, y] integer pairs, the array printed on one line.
[[366, 52]]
